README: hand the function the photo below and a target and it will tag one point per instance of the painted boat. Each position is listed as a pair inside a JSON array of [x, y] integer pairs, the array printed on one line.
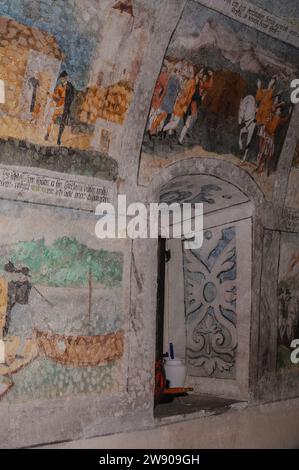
[[80, 350]]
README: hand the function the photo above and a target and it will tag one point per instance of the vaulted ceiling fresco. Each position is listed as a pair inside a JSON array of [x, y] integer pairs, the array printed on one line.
[[224, 91]]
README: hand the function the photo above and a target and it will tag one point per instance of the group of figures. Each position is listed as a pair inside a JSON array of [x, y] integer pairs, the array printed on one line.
[[179, 92], [184, 93]]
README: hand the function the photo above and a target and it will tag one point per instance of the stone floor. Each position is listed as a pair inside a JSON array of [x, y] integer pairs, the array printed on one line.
[[193, 403]]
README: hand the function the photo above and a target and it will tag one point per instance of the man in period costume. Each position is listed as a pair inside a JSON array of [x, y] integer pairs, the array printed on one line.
[[62, 99]]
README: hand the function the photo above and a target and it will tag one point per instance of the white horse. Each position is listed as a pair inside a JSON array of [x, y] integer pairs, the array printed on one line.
[[247, 112]]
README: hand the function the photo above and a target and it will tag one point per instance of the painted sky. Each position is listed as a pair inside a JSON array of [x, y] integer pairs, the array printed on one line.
[[195, 17]]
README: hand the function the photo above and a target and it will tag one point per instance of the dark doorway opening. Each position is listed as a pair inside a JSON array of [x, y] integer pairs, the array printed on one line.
[[160, 298]]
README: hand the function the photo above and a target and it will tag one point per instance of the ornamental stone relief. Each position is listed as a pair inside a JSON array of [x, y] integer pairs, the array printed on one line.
[[210, 304]]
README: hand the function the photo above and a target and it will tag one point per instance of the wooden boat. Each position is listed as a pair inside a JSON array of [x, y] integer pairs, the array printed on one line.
[[80, 350]]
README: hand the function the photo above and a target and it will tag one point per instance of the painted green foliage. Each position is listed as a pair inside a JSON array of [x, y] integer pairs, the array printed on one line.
[[66, 263], [45, 379]]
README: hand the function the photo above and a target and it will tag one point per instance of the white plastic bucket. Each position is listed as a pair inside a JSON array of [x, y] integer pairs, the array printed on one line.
[[176, 372]]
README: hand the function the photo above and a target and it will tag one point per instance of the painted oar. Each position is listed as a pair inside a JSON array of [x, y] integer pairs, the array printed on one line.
[[43, 297]]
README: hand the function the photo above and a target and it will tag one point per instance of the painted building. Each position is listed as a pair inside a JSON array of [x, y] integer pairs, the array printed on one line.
[[30, 62]]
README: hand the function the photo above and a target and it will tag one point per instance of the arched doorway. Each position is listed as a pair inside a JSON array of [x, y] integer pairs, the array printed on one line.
[[207, 299]]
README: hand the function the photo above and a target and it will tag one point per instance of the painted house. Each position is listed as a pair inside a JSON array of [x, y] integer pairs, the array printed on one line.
[[30, 61]]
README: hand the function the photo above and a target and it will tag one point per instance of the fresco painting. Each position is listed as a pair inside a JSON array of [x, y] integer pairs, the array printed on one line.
[[221, 93], [65, 85], [288, 299], [60, 312]]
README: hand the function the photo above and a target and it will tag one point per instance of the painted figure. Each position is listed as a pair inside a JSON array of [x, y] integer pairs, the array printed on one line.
[[192, 112], [159, 94], [60, 105], [18, 291], [247, 122], [267, 146], [264, 97], [168, 102], [206, 83], [183, 100]]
